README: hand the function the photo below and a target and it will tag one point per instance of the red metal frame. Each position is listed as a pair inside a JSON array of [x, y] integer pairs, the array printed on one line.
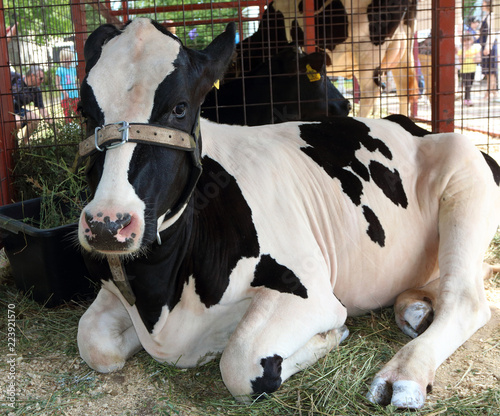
[[443, 66], [104, 8], [7, 120], [309, 30], [186, 7]]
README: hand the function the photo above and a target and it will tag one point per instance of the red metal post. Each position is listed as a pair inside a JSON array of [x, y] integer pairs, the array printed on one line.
[[104, 10], [125, 11], [443, 66], [7, 120], [309, 29], [80, 23]]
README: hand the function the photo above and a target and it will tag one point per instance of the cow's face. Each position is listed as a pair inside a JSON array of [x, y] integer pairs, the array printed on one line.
[[141, 74], [317, 90], [301, 78]]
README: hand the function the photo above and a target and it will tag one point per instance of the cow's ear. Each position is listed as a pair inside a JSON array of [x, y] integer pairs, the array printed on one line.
[[94, 43], [218, 57], [317, 61]]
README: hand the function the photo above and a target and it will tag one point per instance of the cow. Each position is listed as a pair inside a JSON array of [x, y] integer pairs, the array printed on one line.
[[258, 242], [366, 38], [300, 91]]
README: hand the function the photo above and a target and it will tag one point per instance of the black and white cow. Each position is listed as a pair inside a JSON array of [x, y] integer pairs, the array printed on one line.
[[259, 241], [362, 37], [300, 91]]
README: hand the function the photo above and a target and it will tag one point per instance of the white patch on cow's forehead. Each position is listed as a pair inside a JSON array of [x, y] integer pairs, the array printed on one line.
[[130, 68]]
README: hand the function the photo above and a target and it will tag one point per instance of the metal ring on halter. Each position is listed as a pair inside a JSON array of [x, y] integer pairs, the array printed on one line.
[[124, 129], [96, 136]]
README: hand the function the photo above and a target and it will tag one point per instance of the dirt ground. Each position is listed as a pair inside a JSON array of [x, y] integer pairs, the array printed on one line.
[[474, 367]]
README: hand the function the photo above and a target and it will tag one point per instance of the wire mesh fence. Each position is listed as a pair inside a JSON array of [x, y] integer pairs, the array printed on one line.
[[380, 55]]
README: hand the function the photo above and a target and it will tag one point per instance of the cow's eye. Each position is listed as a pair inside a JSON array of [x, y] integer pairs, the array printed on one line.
[[180, 110]]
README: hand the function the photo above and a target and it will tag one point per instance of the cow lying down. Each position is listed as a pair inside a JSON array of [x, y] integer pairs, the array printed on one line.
[[257, 242]]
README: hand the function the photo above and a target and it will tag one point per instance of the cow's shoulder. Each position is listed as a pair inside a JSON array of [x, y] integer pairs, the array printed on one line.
[[408, 125], [223, 231]]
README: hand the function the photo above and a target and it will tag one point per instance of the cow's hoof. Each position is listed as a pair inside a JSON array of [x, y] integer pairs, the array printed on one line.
[[343, 333], [404, 394], [415, 318]]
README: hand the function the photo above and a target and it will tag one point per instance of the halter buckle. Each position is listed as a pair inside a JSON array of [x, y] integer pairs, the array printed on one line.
[[123, 129]]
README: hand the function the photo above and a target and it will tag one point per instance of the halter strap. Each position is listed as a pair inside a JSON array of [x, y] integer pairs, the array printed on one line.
[[116, 134]]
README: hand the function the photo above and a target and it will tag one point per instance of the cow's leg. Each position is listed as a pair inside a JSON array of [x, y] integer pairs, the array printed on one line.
[[466, 226], [406, 85], [106, 336], [397, 60], [279, 335], [369, 91], [414, 308], [316, 348]]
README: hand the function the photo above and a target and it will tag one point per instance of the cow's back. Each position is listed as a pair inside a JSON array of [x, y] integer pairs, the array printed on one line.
[[345, 190]]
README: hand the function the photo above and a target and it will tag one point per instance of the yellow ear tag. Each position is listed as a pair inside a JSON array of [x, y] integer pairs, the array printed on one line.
[[312, 74], [217, 84]]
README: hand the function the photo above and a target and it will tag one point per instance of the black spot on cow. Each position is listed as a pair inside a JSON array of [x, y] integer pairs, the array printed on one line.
[[224, 234], [331, 23], [408, 125], [389, 182], [337, 156], [271, 378], [375, 230], [384, 17], [495, 169], [269, 273]]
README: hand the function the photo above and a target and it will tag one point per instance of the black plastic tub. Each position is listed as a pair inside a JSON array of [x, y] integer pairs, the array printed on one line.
[[46, 263]]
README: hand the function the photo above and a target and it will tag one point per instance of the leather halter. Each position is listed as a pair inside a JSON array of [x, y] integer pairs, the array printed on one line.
[[116, 134]]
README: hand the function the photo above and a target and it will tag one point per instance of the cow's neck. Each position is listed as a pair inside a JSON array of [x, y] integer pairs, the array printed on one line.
[[158, 278], [206, 242], [223, 232]]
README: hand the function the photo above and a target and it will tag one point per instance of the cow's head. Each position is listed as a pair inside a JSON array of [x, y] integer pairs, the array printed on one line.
[[144, 76], [299, 80], [317, 92]]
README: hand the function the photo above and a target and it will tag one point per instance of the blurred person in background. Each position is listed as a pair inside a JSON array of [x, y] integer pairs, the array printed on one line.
[[67, 83], [469, 55], [26, 90], [488, 40]]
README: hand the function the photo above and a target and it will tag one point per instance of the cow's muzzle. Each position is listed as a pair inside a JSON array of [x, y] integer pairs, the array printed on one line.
[[104, 232]]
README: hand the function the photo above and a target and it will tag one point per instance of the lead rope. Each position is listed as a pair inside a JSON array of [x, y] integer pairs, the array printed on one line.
[[120, 278]]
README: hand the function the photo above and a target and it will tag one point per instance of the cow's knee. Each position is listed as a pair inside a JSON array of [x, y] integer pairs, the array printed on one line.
[[106, 337], [97, 350]]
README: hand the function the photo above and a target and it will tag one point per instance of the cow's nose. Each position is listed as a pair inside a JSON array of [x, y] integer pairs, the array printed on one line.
[[108, 232]]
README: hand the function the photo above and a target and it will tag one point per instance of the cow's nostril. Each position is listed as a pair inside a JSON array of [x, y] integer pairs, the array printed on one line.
[[124, 219], [88, 219], [106, 223]]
